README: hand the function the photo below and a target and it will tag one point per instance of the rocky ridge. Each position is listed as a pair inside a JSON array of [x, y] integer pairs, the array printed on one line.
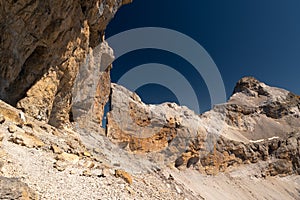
[[54, 73], [69, 160], [258, 123]]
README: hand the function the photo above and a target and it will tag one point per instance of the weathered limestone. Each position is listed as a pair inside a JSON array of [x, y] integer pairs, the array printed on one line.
[[42, 48]]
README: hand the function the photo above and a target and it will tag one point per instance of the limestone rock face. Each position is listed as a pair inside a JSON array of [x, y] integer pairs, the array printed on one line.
[[89, 98], [42, 47], [256, 111], [281, 155], [44, 157], [258, 123], [261, 124], [144, 128]]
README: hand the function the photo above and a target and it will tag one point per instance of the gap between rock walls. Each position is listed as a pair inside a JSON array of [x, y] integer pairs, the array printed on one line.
[[107, 108]]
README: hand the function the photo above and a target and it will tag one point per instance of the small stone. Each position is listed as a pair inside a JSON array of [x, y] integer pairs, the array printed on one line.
[[117, 164], [89, 164], [130, 190], [192, 161], [30, 125], [1, 137], [22, 116], [12, 128], [2, 119], [170, 178], [97, 172], [56, 149], [87, 172], [97, 150], [106, 172], [97, 158], [1, 165], [124, 175], [68, 157], [87, 154], [178, 162], [60, 165], [178, 190]]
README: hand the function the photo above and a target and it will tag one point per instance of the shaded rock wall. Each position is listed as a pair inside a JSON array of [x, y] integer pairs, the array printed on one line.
[[42, 46], [92, 87]]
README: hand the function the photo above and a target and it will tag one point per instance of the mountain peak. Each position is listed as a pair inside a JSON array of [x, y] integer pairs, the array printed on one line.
[[250, 86]]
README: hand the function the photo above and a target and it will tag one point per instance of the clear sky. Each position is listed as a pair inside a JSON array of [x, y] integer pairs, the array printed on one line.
[[244, 38]]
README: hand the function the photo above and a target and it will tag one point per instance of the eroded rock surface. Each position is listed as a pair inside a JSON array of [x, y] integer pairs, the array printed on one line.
[[42, 48], [258, 123], [55, 67], [89, 98], [142, 128]]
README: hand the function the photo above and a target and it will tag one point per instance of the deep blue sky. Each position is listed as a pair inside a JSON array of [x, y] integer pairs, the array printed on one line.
[[244, 38]]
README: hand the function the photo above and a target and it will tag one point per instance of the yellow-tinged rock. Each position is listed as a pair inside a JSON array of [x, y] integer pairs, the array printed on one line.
[[12, 128], [87, 154], [124, 2], [68, 157], [56, 149], [25, 139], [124, 175]]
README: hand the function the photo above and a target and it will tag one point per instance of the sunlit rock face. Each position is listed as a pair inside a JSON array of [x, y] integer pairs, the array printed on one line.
[[139, 128], [43, 46], [246, 129]]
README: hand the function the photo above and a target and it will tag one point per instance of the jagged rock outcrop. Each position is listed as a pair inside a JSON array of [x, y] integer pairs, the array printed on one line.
[[279, 155], [260, 111], [55, 67], [58, 163], [262, 124], [88, 98], [42, 47], [142, 128], [258, 123]]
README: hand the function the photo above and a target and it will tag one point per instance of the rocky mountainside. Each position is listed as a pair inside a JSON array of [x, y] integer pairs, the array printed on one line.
[[158, 156], [54, 84], [258, 123]]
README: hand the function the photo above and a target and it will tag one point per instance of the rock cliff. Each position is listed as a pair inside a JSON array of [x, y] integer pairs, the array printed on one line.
[[54, 83], [42, 47], [258, 123]]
